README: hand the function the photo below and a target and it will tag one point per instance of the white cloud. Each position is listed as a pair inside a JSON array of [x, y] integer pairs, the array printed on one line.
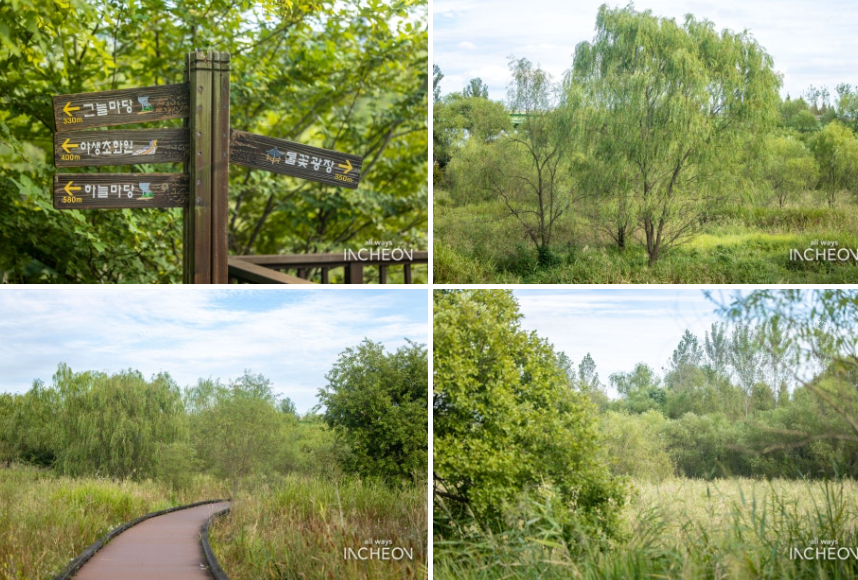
[[291, 336], [618, 327], [814, 41]]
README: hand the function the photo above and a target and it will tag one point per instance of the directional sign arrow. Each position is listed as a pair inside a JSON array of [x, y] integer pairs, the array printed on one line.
[[69, 189], [120, 190], [66, 145], [68, 109], [120, 107], [121, 147], [295, 159]]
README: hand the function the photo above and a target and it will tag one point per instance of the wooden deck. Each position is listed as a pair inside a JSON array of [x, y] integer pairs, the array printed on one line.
[[165, 547]]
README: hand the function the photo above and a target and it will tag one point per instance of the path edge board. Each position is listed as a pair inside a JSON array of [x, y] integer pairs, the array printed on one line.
[[211, 559], [87, 554]]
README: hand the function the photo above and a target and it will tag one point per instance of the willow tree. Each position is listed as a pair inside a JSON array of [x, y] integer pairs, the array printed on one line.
[[671, 109], [115, 425]]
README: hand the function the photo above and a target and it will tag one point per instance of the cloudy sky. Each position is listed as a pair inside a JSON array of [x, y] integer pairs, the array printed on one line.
[[813, 42], [292, 337], [618, 327]]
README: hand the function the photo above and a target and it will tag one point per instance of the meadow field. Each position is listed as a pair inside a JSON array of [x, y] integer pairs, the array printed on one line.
[[279, 527], [46, 519], [474, 243], [297, 527], [680, 528]]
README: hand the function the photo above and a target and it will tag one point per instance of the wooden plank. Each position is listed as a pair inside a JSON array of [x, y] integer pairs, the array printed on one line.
[[295, 159], [119, 190], [331, 260], [220, 166], [122, 107], [200, 206], [123, 147], [244, 270]]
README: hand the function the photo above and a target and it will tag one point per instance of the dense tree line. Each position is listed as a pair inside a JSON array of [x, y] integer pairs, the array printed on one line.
[[124, 426], [656, 126], [731, 405]]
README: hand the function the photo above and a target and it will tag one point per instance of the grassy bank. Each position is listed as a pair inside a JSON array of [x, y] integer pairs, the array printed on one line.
[[474, 244], [46, 520], [681, 528], [298, 527]]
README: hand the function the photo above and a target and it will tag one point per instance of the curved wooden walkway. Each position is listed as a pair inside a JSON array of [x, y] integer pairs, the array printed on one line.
[[165, 547]]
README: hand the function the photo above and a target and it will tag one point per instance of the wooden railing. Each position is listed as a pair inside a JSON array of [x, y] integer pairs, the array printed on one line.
[[268, 269]]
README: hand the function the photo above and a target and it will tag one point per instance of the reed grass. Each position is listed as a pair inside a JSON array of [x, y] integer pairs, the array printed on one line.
[[681, 529], [299, 527], [47, 520]]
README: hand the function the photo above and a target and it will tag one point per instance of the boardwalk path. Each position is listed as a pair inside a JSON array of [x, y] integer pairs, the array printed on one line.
[[165, 547]]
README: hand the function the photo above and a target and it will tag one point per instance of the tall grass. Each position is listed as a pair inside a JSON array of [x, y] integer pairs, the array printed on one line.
[[299, 527], [740, 243], [46, 520], [681, 528]]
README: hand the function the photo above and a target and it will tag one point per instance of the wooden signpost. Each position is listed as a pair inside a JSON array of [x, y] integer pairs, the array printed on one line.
[[206, 145]]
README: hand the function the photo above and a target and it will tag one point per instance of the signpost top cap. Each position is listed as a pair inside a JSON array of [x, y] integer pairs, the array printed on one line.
[[208, 56], [208, 60]]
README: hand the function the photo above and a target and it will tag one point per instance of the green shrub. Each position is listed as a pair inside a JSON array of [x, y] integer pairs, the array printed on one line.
[[505, 421]]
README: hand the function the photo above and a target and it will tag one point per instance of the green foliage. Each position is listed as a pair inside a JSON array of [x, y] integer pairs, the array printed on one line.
[[672, 104], [376, 402], [635, 445], [115, 425], [790, 167], [458, 119], [476, 88], [505, 421], [847, 106], [348, 75], [235, 427]]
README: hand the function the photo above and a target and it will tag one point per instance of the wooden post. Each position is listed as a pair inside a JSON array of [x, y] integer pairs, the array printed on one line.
[[220, 167], [187, 230], [198, 217], [354, 273]]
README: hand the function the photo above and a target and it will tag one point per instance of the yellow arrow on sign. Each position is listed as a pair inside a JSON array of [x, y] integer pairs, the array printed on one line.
[[66, 145], [67, 109], [69, 189], [348, 166]]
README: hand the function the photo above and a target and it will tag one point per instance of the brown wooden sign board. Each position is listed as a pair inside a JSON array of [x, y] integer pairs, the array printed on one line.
[[120, 190], [288, 158], [121, 147], [105, 108]]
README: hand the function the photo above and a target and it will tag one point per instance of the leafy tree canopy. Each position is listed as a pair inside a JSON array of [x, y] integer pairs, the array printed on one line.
[[505, 420], [376, 402]]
